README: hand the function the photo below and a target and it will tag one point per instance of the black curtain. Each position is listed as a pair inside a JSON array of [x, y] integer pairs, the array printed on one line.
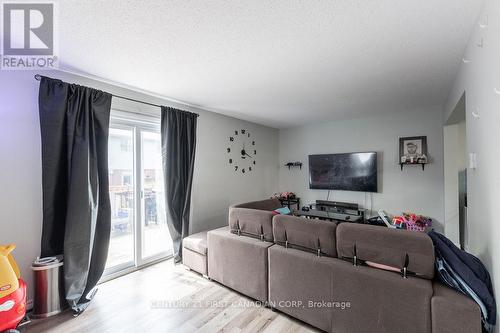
[[178, 140], [74, 124]]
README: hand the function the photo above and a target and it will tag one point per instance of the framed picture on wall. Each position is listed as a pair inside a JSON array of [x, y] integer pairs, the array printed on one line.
[[413, 149]]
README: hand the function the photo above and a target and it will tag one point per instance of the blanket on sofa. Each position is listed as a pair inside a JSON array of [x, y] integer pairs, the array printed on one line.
[[466, 273]]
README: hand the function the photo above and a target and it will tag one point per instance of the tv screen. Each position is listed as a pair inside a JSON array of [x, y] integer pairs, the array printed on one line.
[[347, 172]]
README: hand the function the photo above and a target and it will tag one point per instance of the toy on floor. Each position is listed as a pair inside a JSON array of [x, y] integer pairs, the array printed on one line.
[[12, 291]]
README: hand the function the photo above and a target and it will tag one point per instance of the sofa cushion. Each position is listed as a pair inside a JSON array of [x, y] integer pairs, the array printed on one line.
[[254, 218], [297, 281], [379, 301], [239, 263], [453, 312], [196, 242], [387, 247], [305, 234], [251, 222], [195, 261]]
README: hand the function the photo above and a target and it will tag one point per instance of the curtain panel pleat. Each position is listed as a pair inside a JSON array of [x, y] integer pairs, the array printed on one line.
[[74, 124], [178, 140]]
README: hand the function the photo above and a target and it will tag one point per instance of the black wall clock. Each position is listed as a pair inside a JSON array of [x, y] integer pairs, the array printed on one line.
[[241, 151]]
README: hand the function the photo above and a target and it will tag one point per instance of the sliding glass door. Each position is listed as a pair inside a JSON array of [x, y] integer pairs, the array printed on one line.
[[154, 216], [139, 232], [121, 252]]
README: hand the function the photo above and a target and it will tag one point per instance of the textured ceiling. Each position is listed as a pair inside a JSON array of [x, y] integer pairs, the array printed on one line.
[[278, 63]]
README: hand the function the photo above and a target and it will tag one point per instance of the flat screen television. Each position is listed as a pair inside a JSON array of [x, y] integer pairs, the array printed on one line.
[[346, 172]]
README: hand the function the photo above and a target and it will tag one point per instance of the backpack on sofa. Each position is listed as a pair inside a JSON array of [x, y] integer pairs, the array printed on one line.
[[464, 272]]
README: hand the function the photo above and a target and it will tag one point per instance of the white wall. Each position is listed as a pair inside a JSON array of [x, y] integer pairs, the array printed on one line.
[[215, 184], [478, 79], [411, 189], [20, 170]]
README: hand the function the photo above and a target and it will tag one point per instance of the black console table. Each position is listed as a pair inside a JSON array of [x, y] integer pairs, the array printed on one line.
[[289, 202], [330, 216]]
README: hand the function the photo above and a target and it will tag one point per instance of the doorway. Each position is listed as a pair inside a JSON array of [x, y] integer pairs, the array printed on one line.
[[139, 231], [455, 175]]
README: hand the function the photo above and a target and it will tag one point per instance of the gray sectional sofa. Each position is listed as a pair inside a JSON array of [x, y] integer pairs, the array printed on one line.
[[322, 273], [238, 256]]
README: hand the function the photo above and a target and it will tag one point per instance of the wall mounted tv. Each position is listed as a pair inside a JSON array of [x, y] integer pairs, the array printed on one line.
[[346, 172]]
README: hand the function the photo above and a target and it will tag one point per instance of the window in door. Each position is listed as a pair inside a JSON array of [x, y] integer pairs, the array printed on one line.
[[139, 231], [122, 198], [156, 234]]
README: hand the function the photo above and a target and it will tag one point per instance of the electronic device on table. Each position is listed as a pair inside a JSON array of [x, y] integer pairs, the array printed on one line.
[[334, 211], [345, 172], [341, 207], [385, 218], [329, 216], [350, 210], [381, 220]]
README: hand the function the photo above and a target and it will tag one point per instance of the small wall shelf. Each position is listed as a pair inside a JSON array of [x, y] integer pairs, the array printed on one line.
[[294, 165], [402, 165]]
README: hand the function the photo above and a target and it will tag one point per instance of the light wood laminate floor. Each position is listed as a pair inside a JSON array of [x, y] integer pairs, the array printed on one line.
[[168, 298]]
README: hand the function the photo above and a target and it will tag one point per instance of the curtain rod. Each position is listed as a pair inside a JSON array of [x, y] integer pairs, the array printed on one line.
[[38, 77]]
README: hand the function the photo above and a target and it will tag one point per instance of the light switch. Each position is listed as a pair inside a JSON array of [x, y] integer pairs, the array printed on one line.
[[473, 161]]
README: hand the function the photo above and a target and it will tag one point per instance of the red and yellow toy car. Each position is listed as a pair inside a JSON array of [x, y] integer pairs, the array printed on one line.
[[12, 291]]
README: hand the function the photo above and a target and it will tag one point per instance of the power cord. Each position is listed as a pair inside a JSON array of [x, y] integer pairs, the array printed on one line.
[[371, 203]]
